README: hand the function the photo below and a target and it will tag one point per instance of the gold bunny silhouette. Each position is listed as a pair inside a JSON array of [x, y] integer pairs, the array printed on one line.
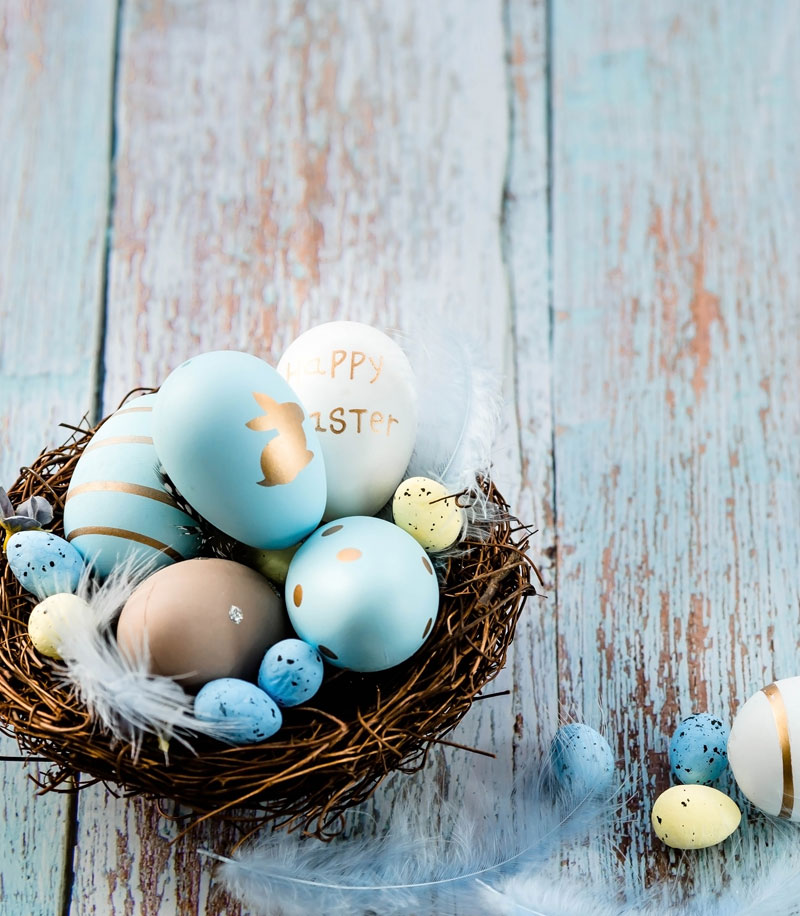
[[285, 455]]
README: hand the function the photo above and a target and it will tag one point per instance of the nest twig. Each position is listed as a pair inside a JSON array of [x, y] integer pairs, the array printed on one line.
[[330, 754]]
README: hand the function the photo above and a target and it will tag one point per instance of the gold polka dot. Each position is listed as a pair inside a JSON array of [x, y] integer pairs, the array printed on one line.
[[327, 652], [348, 555], [428, 626], [427, 565], [332, 530], [297, 594]]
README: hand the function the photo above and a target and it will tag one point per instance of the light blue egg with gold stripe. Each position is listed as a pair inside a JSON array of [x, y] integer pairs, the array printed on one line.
[[117, 509], [241, 449]]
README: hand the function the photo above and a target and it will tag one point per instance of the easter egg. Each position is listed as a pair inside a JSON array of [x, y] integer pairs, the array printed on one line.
[[693, 817], [201, 620], [117, 509], [581, 760], [358, 387], [249, 715], [764, 745], [274, 564], [43, 563], [698, 749], [49, 618], [291, 672], [240, 449], [424, 509], [363, 592]]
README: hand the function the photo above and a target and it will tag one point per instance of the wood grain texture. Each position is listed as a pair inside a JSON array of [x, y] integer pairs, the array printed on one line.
[[55, 111], [342, 163], [676, 366]]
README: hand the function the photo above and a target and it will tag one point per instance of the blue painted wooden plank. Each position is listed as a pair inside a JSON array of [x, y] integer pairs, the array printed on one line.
[[677, 363], [55, 109]]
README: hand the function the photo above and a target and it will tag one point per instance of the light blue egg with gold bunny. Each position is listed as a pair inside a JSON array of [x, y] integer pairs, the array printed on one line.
[[117, 509], [363, 592], [240, 448]]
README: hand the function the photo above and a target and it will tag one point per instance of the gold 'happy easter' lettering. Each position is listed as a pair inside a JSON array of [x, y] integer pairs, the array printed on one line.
[[337, 421], [286, 454], [341, 363]]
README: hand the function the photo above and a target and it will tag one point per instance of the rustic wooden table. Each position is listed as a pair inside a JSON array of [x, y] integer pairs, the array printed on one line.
[[606, 193]]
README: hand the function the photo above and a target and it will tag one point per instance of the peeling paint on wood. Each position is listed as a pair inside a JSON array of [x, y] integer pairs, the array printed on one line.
[[55, 110]]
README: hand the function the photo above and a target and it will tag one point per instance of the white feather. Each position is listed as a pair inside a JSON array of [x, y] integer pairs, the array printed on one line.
[[418, 865], [459, 406], [117, 688]]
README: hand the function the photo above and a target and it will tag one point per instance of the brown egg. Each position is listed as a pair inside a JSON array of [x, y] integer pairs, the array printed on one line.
[[203, 619]]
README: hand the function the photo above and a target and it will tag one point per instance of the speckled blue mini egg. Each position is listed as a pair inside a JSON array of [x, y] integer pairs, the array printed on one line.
[[250, 714], [581, 760], [291, 672], [44, 563], [698, 749], [363, 592], [117, 508], [241, 449]]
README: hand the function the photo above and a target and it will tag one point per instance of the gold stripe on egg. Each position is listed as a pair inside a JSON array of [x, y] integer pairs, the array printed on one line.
[[120, 440], [127, 536], [773, 694], [120, 486]]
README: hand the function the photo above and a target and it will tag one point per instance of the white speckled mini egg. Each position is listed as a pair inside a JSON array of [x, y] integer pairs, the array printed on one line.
[[49, 618], [764, 746], [581, 760], [44, 563], [249, 714], [363, 592], [116, 506], [694, 817], [358, 387], [698, 749], [240, 448], [426, 510]]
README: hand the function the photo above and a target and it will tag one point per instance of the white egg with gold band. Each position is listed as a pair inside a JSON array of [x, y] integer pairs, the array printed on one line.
[[764, 748]]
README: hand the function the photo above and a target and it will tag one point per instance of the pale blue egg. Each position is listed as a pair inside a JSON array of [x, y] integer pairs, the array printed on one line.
[[44, 563], [698, 750], [247, 713], [363, 592], [241, 449], [117, 509], [291, 672], [581, 761]]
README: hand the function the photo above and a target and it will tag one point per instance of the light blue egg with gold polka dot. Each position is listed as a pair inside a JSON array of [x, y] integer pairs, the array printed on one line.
[[363, 592]]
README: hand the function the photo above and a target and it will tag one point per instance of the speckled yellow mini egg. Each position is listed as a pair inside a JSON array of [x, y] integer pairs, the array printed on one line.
[[693, 817], [48, 619], [426, 510]]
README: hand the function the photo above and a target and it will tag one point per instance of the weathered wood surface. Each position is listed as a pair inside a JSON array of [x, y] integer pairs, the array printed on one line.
[[278, 164], [676, 355], [55, 126]]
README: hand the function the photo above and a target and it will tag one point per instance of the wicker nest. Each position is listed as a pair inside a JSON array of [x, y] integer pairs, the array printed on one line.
[[329, 755]]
